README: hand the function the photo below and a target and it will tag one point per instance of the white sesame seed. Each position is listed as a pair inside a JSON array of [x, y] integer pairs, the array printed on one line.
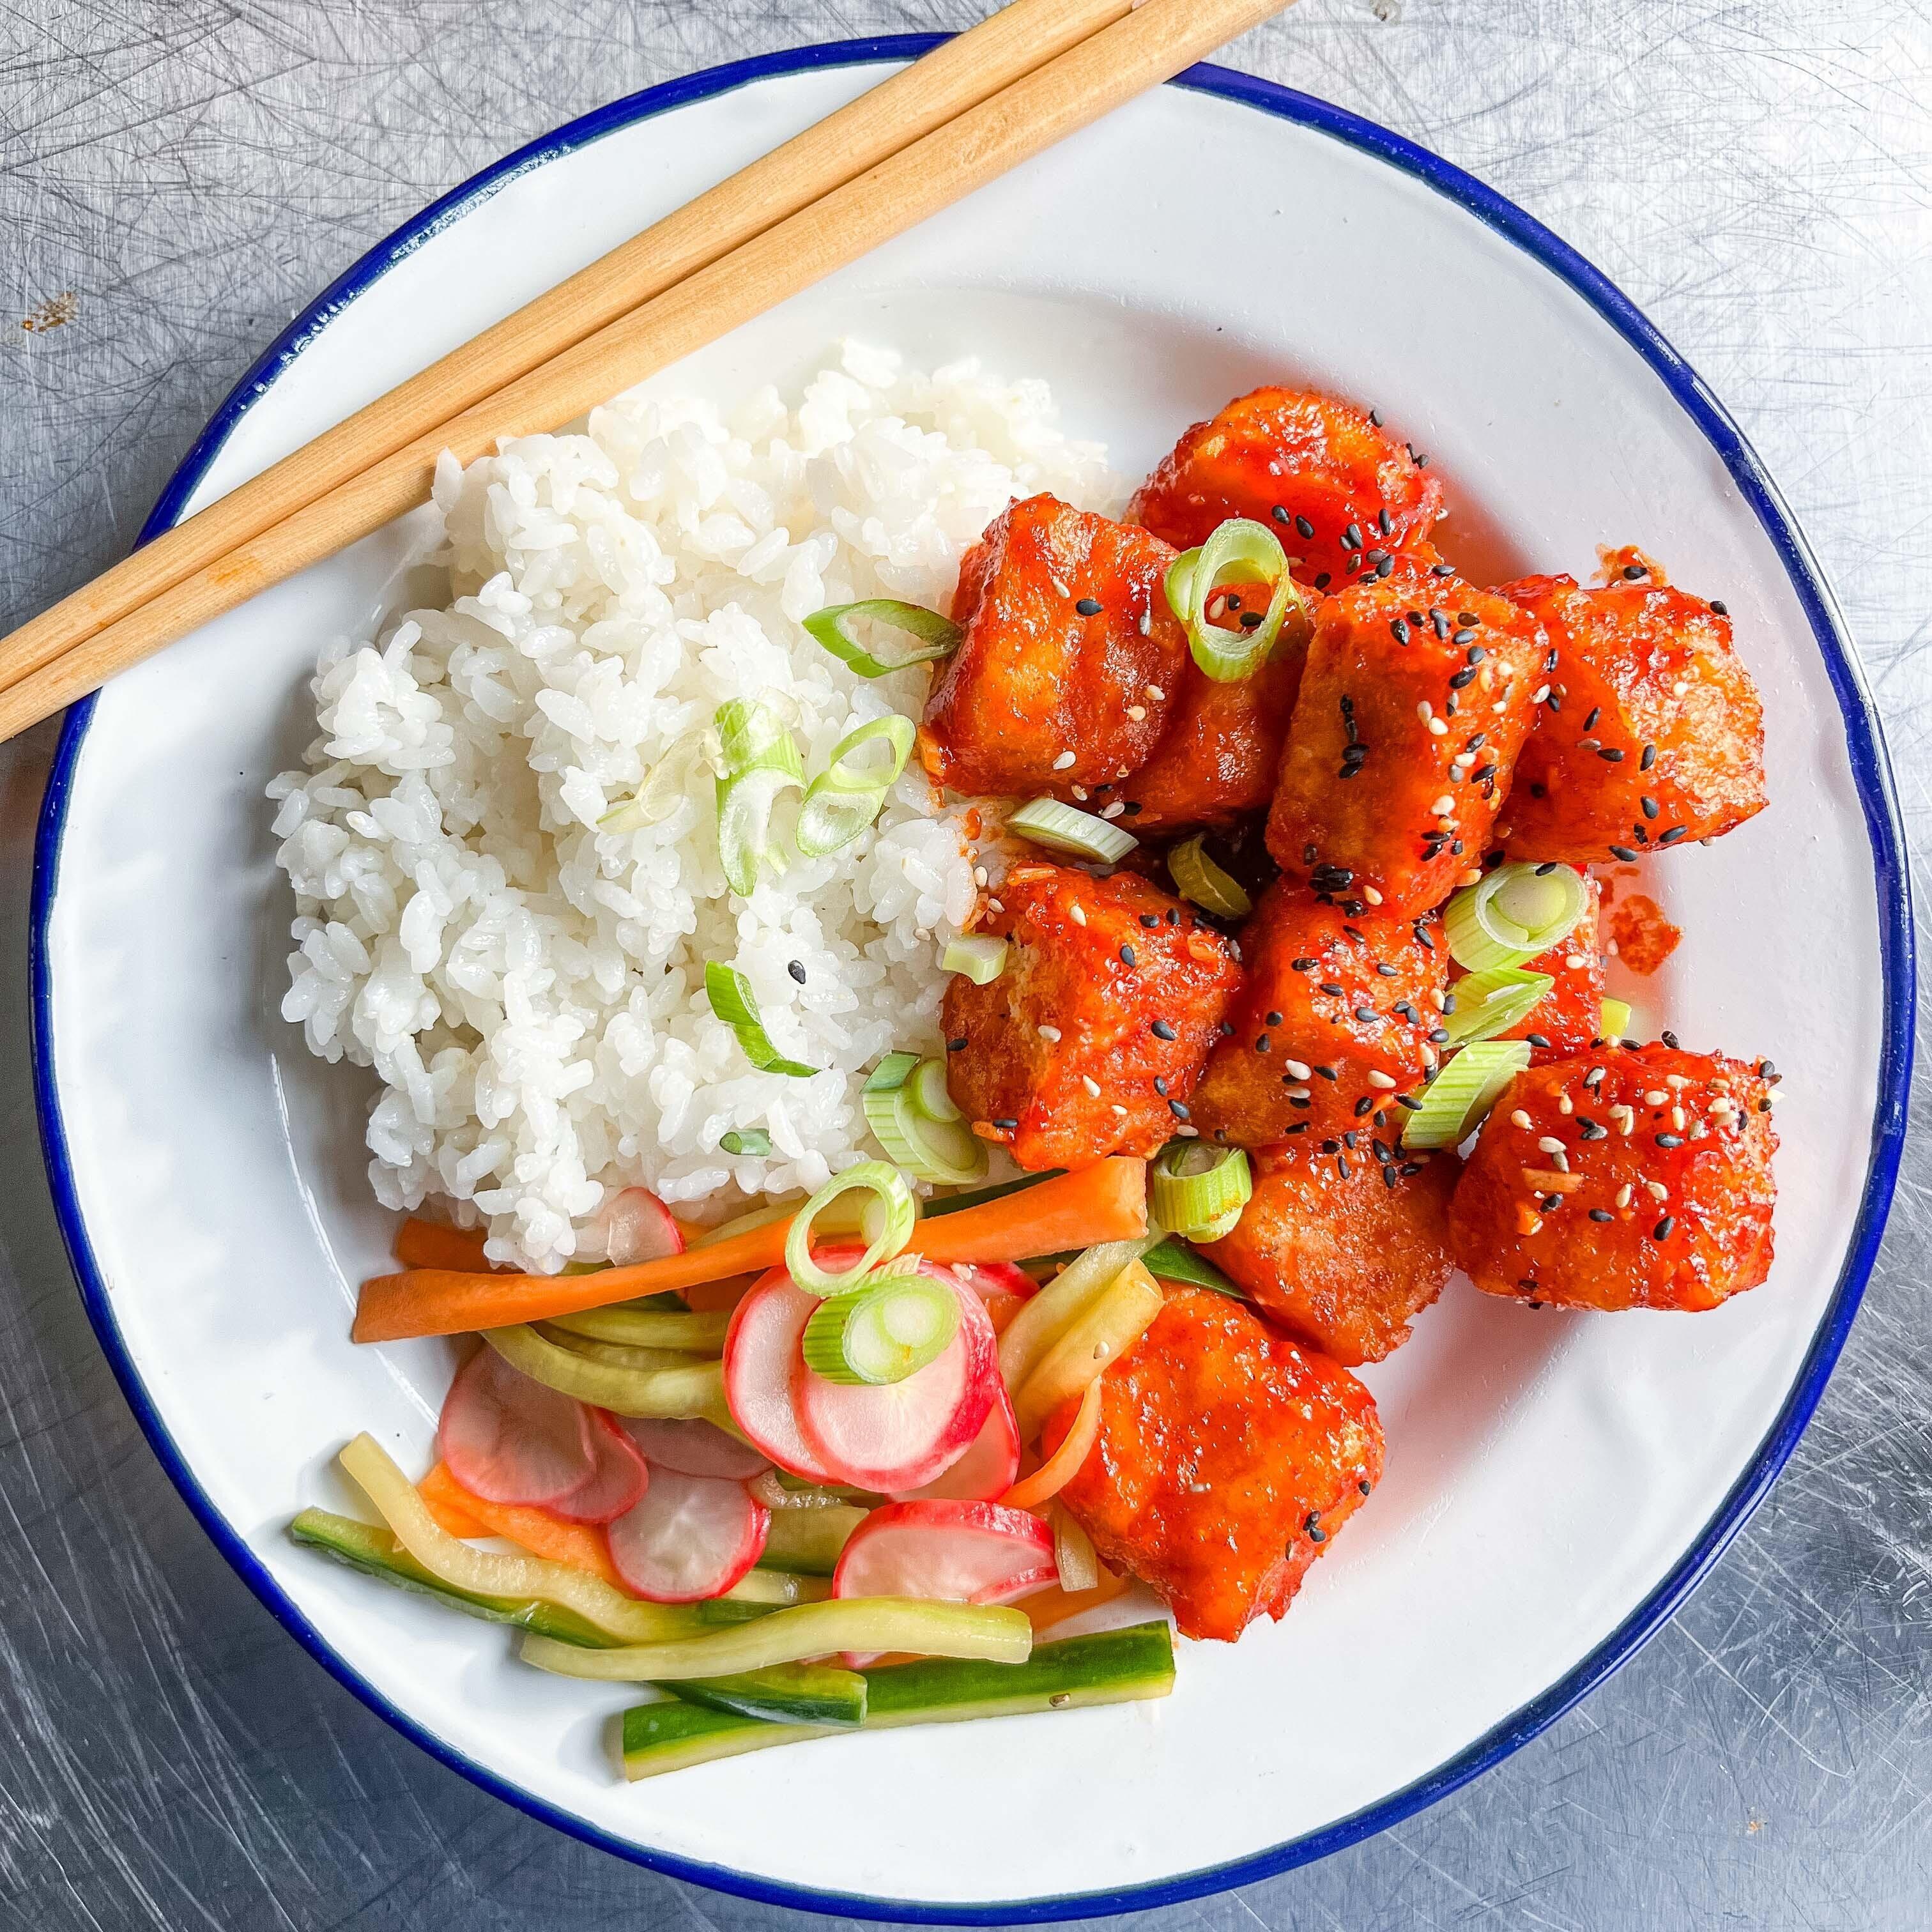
[[1536, 1224], [995, 906], [1377, 1078], [1463, 759], [1187, 1133], [1575, 962], [1473, 876], [1092, 1085], [1444, 806], [1610, 950], [1425, 711], [1438, 1000], [1114, 810], [1059, 587], [1077, 912], [1678, 689], [1064, 761], [1520, 1119], [1147, 620], [1437, 729], [980, 875], [1373, 897], [1776, 1094], [1051, 1033], [1564, 1104], [1428, 1057], [1624, 1195], [1549, 1144], [1299, 1093], [1677, 1082], [1295, 1069], [1500, 706], [1154, 692], [1655, 1097], [1656, 1190], [1138, 712], [1120, 1110], [1541, 691], [1677, 1118], [1079, 792]]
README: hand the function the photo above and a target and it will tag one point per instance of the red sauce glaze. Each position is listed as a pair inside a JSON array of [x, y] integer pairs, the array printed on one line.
[[1278, 454], [1343, 1261], [1369, 822], [1706, 1144], [1570, 1015], [1225, 1452], [1644, 938], [1036, 677], [1655, 705], [1136, 957], [1262, 1081]]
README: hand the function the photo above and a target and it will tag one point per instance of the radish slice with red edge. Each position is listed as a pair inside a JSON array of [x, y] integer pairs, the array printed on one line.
[[638, 1227], [988, 1468], [696, 1448], [617, 1484], [761, 1351], [987, 1279], [896, 1436], [509, 1439], [691, 1538]]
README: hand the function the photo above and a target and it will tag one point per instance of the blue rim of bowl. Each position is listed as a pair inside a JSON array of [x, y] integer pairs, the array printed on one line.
[[1871, 770]]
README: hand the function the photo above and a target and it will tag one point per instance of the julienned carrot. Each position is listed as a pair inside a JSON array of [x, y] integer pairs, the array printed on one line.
[[1105, 1202], [1048, 1607], [434, 1244], [451, 1515], [709, 1297], [1063, 1464], [579, 1545]]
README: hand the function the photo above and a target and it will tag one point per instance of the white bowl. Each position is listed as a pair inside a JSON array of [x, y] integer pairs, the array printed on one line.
[[1556, 1482]]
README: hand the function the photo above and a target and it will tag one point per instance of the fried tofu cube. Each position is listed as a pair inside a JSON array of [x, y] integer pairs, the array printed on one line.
[[1563, 1023], [1227, 1457], [1652, 1189], [1071, 660], [1335, 1019], [1417, 696], [1344, 1245], [1654, 731], [1091, 1041], [1339, 492]]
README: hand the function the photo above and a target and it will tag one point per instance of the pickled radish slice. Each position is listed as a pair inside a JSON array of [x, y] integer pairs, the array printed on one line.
[[991, 1278], [987, 1470], [618, 1481], [959, 1552], [692, 1538], [697, 1448], [638, 1227], [761, 1352], [511, 1440]]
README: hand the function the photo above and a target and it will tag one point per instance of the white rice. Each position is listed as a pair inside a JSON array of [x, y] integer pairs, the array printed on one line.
[[529, 990]]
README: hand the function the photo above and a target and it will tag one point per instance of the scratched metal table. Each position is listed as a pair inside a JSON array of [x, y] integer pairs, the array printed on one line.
[[177, 176]]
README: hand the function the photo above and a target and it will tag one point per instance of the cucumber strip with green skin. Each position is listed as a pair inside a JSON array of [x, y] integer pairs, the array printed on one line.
[[1174, 1260], [818, 1694], [1110, 1667], [808, 1540]]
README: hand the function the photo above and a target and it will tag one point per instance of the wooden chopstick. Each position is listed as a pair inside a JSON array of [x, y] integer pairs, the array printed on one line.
[[1136, 51], [954, 76]]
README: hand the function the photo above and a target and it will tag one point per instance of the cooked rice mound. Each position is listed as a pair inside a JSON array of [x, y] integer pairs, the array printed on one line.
[[530, 990]]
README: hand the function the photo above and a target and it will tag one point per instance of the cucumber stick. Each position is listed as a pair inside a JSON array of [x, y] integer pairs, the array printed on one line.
[[785, 1693], [808, 1540], [1112, 1667]]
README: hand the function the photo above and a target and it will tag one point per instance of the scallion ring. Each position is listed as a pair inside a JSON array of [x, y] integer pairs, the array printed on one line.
[[893, 1222], [758, 759], [1063, 828], [1490, 1003], [1614, 1021], [982, 958], [846, 797], [881, 1331], [1238, 550], [753, 1142], [1199, 878], [1513, 913], [730, 993], [938, 636], [927, 1147], [930, 1099], [1454, 1103], [1197, 1190], [665, 787]]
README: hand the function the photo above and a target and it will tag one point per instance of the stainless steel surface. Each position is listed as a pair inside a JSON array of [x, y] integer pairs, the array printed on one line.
[[177, 176]]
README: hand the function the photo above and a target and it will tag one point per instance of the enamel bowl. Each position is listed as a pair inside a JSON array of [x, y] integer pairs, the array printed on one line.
[[1556, 1482]]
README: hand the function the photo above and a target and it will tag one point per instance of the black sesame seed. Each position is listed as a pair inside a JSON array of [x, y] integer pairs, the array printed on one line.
[[1413, 1102], [1624, 852], [1661, 1232], [1173, 915], [1252, 620], [1179, 1111], [1537, 1039], [796, 968], [1150, 920], [1601, 1214], [1385, 567], [955, 1046], [1322, 580], [1009, 1124], [1349, 1139], [1279, 513], [1390, 1175], [1554, 702], [1341, 1165], [1088, 607], [1422, 940], [1438, 1036], [1333, 989], [1327, 1072], [1669, 1038], [1766, 1071], [1227, 1029], [1610, 754], [1302, 527], [1160, 1086], [1650, 807], [1364, 1485], [1399, 630], [1632, 571], [1723, 610], [1296, 1127], [1385, 522], [1649, 758], [1670, 1140], [1550, 1203], [1271, 1019], [1331, 1146], [1364, 1106], [1261, 1043], [1132, 806], [1386, 971], [1438, 569], [1161, 1031], [1592, 1130], [1320, 1535], [1482, 776], [1463, 678], [1126, 956], [1352, 538], [1303, 965], [1367, 1016], [1675, 832], [1590, 723]]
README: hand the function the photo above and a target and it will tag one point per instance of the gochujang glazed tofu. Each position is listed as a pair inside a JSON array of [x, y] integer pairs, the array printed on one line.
[[1344, 1239], [1654, 732], [1071, 657], [1569, 1017], [1227, 1457], [1631, 1177], [1340, 1013], [1417, 695], [1341, 495], [1091, 1040]]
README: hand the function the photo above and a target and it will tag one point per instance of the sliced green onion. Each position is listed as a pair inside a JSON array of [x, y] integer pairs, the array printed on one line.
[[982, 958], [1198, 878], [930, 1099], [1492, 1002], [1198, 1190], [1172, 1260], [730, 993], [882, 1331], [845, 797], [751, 1141], [1513, 914], [758, 761], [665, 785], [1455, 1102], [939, 636], [1614, 1021], [1242, 550], [1062, 828], [928, 1147], [897, 1214]]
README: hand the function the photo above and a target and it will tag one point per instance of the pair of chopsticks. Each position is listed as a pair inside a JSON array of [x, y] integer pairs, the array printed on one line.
[[970, 110]]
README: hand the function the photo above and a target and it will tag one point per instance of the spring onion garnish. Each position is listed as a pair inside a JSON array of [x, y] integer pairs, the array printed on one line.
[[1614, 1023], [1197, 1190], [846, 797], [1239, 551], [882, 1331], [1454, 1103], [758, 761], [982, 958], [751, 1141], [1492, 1002], [1060, 828], [893, 1222], [1513, 914], [939, 636], [1199, 878], [730, 993], [666, 785], [901, 1106]]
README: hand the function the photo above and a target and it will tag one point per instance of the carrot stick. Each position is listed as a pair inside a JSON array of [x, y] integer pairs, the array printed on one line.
[[579, 1545], [421, 1244], [1048, 1607], [1105, 1202], [451, 1515], [709, 1297], [1063, 1464]]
